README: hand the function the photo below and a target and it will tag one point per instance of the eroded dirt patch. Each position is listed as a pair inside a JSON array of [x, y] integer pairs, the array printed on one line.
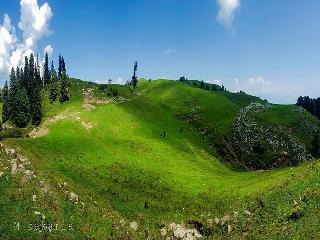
[[39, 132]]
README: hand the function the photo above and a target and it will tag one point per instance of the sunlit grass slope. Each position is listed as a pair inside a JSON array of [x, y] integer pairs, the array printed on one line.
[[124, 163]]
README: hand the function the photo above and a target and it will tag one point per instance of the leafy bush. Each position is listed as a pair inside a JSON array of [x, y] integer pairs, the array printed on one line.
[[12, 133]]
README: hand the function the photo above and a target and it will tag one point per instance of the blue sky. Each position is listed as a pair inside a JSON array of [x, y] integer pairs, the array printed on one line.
[[266, 48]]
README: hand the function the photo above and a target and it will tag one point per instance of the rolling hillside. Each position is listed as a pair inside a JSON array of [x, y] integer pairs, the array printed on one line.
[[136, 165]]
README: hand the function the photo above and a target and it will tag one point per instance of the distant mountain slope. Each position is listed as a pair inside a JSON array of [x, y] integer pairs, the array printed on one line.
[[240, 132]]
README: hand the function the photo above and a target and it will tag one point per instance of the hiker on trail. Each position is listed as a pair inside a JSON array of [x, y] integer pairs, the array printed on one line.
[[163, 134]]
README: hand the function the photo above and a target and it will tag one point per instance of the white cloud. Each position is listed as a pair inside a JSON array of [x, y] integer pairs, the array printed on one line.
[[170, 51], [34, 20], [48, 49], [34, 25], [218, 82], [119, 80], [259, 86], [226, 11]]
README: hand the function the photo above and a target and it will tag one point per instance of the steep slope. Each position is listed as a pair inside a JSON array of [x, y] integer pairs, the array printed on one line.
[[243, 130], [112, 153]]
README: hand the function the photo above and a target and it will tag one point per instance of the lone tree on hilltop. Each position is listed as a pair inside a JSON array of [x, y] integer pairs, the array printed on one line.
[[202, 84], [182, 79], [134, 77]]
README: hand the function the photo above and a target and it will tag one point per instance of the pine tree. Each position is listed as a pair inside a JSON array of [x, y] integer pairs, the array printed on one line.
[[13, 88], [202, 84], [134, 77], [5, 107], [54, 92], [20, 113], [60, 68], [46, 73], [31, 77], [18, 80], [64, 90], [63, 65], [316, 145], [38, 81], [25, 75], [37, 107]]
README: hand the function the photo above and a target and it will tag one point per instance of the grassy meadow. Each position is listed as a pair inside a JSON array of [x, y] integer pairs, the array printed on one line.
[[116, 160]]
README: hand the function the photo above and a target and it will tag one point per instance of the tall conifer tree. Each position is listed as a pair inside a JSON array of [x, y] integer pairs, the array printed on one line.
[[54, 92], [65, 88], [21, 111], [5, 107], [60, 68], [46, 73]]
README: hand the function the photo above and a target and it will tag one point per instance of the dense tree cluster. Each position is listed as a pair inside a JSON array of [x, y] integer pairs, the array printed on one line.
[[312, 105], [203, 85], [22, 98]]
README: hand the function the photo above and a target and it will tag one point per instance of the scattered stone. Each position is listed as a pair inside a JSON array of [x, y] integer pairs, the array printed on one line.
[[88, 107], [45, 188], [73, 197], [216, 220], [86, 125], [122, 222], [34, 197], [235, 214], [1, 174], [225, 219], [134, 226], [14, 167], [163, 231], [247, 212], [181, 232], [229, 228], [10, 151]]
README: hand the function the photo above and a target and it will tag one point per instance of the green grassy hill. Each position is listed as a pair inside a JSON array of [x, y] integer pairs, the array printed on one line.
[[102, 164]]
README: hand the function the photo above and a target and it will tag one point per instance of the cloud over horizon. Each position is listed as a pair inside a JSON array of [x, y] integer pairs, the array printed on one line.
[[34, 25], [259, 86], [227, 9]]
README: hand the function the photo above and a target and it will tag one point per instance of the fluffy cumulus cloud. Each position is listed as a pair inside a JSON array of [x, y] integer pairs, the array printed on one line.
[[259, 86], [34, 25], [227, 9]]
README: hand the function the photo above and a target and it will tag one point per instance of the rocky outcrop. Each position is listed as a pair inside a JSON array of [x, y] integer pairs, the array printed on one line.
[[259, 146]]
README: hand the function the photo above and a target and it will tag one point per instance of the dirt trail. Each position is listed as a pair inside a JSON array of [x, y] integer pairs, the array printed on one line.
[[88, 98]]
